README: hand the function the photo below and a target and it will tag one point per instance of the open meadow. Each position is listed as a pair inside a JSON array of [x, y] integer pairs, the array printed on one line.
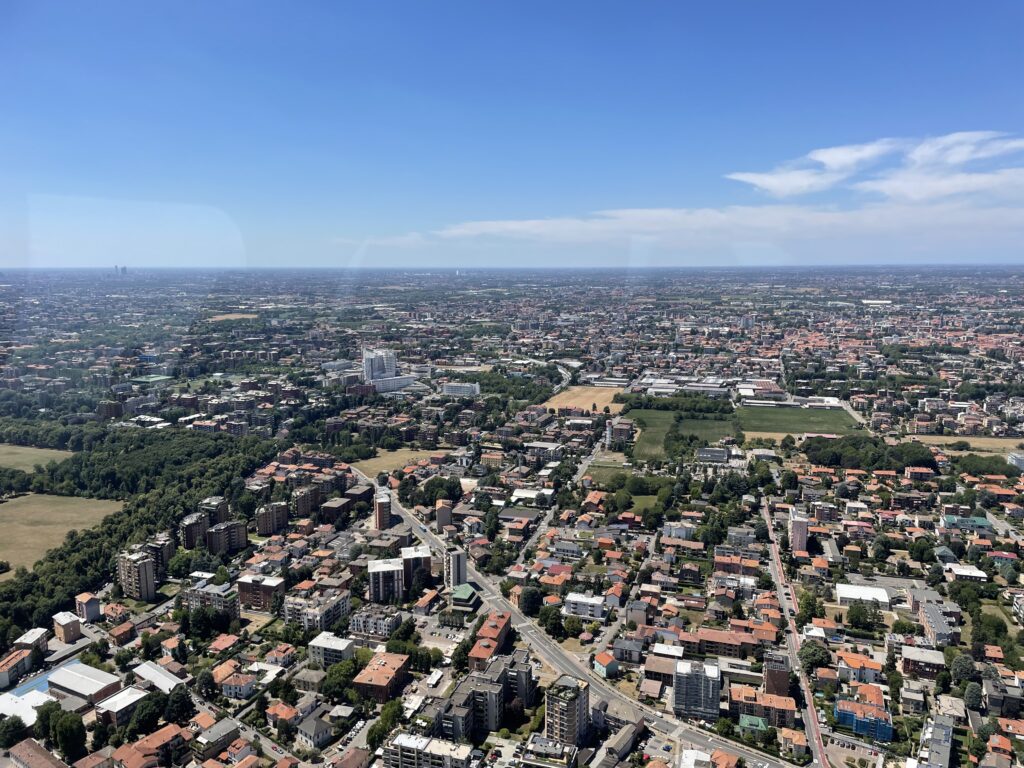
[[25, 457], [586, 398], [388, 461], [35, 523]]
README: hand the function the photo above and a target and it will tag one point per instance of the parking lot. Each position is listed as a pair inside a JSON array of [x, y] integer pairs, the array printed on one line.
[[433, 635]]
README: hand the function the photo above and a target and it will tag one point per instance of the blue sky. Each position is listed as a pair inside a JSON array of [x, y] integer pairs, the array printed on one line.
[[510, 134]]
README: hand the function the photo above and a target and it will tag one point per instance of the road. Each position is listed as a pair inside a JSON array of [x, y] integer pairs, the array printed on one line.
[[270, 748], [550, 652], [789, 608]]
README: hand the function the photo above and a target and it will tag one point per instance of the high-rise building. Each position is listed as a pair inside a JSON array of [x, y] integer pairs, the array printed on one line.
[[378, 364], [199, 591], [271, 518], [776, 673], [192, 529], [798, 533], [136, 573], [382, 511], [696, 690], [454, 568], [161, 548], [216, 509], [386, 580], [226, 538], [567, 710]]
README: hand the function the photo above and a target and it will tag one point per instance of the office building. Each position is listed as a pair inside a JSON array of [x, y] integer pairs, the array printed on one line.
[[460, 389], [454, 568], [567, 711], [378, 364], [136, 573], [696, 690]]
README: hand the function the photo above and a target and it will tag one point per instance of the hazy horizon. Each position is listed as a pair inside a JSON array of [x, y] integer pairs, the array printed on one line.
[[459, 135]]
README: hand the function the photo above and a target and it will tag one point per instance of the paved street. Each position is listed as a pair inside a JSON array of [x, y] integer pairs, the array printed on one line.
[[551, 653]]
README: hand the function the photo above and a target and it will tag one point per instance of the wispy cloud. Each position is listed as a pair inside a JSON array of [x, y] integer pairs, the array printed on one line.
[[960, 191]]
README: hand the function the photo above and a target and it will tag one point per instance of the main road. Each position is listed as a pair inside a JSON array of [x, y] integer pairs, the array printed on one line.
[[789, 608], [550, 652]]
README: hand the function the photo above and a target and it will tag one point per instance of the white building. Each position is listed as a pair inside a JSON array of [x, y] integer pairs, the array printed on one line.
[[848, 594], [460, 389], [327, 649], [378, 364], [584, 606]]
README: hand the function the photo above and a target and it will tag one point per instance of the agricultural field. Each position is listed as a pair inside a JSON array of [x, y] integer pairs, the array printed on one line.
[[227, 316], [25, 458], [586, 398], [794, 421], [35, 523], [388, 461], [1003, 445]]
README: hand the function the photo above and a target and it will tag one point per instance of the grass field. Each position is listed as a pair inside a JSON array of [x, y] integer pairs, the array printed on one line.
[[603, 473], [586, 398], [25, 458], [978, 444], [232, 316], [795, 421], [711, 430], [35, 523], [387, 461], [650, 445]]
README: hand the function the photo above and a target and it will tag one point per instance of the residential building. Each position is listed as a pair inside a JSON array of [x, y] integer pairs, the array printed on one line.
[[318, 611], [257, 592], [375, 621], [271, 518], [327, 648], [87, 607], [383, 677], [227, 538], [454, 567], [67, 627], [199, 591], [382, 511], [696, 690], [567, 711], [386, 580], [404, 750], [590, 607], [136, 573]]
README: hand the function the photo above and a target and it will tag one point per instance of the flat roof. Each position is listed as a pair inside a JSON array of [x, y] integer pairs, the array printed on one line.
[[81, 678], [122, 699]]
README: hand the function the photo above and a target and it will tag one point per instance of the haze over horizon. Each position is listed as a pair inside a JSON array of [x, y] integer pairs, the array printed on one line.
[[467, 135]]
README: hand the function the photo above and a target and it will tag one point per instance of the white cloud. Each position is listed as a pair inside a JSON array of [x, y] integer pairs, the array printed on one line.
[[789, 182], [952, 195], [963, 147]]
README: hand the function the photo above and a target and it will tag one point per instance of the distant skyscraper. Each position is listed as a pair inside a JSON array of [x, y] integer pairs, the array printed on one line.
[[378, 364]]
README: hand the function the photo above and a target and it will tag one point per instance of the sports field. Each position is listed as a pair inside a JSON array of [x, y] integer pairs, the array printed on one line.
[[586, 398], [25, 458], [35, 523]]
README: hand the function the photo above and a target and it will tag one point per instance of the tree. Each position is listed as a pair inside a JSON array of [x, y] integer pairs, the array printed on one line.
[[943, 682], [530, 600], [179, 705], [813, 655], [962, 668], [12, 730], [573, 626], [145, 718], [100, 735], [724, 727], [972, 696], [44, 715], [205, 684], [858, 616], [68, 733]]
